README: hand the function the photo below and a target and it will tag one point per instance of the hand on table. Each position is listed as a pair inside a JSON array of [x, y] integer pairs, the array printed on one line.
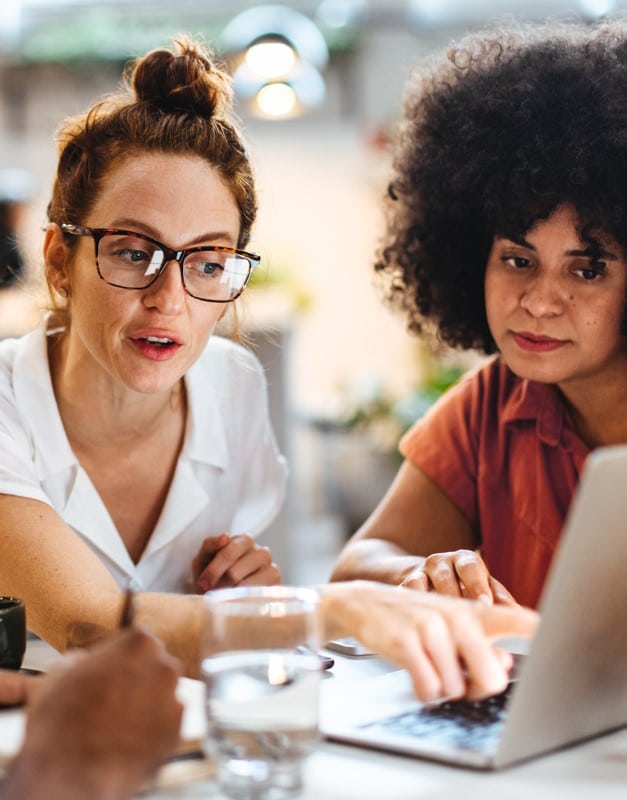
[[225, 561], [100, 723], [16, 688], [444, 643], [459, 573]]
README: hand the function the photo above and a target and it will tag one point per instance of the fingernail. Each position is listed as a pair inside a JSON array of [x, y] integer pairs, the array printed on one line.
[[203, 585], [485, 599]]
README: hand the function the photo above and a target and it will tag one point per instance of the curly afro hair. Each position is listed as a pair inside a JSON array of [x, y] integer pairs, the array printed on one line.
[[510, 125]]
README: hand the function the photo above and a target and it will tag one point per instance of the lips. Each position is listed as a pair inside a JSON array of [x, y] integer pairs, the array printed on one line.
[[159, 341], [536, 343], [156, 345]]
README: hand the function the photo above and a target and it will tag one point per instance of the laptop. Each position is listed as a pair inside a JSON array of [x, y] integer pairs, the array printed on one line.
[[572, 684]]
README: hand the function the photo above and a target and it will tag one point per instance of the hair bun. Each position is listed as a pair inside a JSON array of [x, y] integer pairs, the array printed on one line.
[[183, 80]]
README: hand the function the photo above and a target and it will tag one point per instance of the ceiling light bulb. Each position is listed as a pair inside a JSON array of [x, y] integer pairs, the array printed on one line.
[[270, 60], [276, 100], [597, 8]]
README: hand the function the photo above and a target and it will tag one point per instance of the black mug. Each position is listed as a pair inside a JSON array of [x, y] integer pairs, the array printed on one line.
[[12, 632]]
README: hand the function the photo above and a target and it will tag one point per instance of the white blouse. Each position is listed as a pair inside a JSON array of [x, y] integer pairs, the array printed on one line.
[[229, 477]]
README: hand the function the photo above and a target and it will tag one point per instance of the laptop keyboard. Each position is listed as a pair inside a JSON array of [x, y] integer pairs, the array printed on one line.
[[464, 724]]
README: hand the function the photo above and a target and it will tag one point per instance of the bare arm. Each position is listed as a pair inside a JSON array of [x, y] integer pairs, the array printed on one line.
[[417, 537], [71, 598], [414, 519]]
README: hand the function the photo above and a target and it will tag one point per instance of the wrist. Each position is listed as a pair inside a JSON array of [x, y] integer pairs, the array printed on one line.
[[51, 775]]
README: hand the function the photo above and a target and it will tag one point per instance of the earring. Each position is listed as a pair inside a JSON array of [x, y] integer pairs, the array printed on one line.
[[63, 291]]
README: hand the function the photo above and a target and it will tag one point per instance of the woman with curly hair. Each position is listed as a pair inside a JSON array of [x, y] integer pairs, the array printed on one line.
[[507, 233]]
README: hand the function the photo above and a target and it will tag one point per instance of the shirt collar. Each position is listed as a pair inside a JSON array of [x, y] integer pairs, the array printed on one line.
[[542, 404], [205, 438]]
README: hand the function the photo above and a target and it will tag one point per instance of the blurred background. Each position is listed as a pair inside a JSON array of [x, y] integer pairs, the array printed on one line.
[[319, 86]]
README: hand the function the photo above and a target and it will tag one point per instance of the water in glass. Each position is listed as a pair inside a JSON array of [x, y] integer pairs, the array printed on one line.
[[262, 715]]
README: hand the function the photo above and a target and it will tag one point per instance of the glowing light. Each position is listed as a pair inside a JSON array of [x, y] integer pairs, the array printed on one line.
[[597, 8], [276, 100], [277, 676], [270, 60]]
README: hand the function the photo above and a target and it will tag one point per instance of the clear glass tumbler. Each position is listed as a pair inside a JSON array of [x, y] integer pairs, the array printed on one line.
[[262, 673]]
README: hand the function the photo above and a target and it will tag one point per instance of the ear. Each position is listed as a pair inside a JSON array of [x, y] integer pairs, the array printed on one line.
[[56, 259]]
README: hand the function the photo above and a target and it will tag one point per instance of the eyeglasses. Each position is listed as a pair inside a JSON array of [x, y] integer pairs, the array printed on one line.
[[130, 260]]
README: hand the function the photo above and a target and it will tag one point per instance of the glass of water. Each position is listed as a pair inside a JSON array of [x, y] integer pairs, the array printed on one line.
[[262, 672]]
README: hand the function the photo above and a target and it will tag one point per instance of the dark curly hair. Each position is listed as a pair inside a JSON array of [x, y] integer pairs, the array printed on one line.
[[509, 126]]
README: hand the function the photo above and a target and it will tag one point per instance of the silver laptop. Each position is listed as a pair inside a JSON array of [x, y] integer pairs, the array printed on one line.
[[571, 686]]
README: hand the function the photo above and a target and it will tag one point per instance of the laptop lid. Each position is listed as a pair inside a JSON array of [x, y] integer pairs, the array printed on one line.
[[574, 681], [573, 684]]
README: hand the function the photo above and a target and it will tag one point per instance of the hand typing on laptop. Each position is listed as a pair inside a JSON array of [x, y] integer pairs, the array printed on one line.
[[444, 643]]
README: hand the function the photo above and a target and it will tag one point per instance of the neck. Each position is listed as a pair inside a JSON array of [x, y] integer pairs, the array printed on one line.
[[598, 413], [97, 412]]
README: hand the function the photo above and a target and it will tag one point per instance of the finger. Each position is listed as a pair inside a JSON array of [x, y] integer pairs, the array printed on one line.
[[250, 564], [486, 672], [208, 549], [502, 620], [15, 687], [416, 580], [223, 560], [266, 577], [442, 576], [441, 649], [500, 593], [473, 574], [505, 657], [407, 651]]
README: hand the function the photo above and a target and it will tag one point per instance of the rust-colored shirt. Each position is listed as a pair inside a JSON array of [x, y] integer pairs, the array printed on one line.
[[503, 450]]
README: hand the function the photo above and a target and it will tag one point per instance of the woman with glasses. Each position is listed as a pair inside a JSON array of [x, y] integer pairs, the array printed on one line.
[[507, 234], [128, 432], [135, 446]]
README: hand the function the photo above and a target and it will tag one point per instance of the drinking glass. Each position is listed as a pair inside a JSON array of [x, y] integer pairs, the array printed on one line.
[[262, 674], [12, 632]]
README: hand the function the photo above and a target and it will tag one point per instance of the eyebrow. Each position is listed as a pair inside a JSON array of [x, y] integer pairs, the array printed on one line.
[[147, 230], [588, 252]]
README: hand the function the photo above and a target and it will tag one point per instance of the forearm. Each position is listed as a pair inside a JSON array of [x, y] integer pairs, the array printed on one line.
[[375, 560], [176, 619], [179, 621], [51, 775], [339, 612]]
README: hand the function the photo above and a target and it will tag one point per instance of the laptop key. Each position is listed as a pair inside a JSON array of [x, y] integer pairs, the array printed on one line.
[[460, 723]]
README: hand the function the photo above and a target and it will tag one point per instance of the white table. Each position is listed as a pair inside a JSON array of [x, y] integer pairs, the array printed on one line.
[[595, 770]]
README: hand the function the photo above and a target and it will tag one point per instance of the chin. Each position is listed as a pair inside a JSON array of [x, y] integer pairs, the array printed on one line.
[[151, 384]]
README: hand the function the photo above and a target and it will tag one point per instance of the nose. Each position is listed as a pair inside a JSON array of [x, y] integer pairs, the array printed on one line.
[[167, 293], [542, 296]]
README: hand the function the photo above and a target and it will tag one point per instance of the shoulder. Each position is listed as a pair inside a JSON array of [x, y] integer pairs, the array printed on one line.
[[21, 360], [474, 404], [491, 383], [9, 349]]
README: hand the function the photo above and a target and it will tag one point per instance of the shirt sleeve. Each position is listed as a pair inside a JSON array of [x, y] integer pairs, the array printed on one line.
[[444, 443], [18, 473]]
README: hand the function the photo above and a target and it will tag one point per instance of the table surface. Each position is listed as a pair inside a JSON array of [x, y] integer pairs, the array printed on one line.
[[596, 769]]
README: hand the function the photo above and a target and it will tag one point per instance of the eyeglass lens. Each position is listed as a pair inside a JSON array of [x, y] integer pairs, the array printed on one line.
[[131, 262]]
